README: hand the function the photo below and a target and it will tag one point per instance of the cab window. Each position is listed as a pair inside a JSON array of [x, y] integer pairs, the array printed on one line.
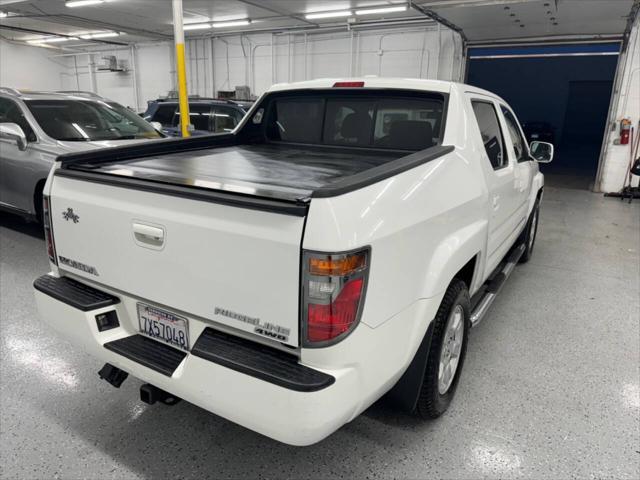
[[487, 118], [519, 144]]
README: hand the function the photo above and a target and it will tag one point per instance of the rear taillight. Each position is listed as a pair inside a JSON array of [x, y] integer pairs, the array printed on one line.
[[334, 287], [48, 229]]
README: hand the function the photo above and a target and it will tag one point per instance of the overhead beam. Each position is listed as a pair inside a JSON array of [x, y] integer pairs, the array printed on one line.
[[42, 32], [441, 20]]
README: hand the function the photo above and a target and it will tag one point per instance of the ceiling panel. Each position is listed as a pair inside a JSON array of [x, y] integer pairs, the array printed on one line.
[[481, 20], [495, 20]]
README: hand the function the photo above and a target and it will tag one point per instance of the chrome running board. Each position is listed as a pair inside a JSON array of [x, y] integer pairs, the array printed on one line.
[[495, 285]]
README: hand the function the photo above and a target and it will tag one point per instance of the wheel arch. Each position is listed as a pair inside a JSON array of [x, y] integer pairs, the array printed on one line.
[[37, 198], [406, 392], [457, 254]]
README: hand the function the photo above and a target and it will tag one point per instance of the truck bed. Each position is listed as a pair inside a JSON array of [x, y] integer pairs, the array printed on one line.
[[287, 172]]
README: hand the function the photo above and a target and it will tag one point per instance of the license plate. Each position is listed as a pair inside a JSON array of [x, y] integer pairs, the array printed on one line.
[[164, 326], [535, 135]]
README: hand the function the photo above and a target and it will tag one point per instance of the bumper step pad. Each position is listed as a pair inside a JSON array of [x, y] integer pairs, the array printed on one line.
[[260, 361], [145, 351], [76, 294]]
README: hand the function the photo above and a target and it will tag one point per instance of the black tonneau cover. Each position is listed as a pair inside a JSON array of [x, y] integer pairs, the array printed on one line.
[[279, 178], [286, 172]]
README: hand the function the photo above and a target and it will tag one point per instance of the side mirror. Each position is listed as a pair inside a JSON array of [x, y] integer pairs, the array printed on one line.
[[157, 126], [542, 152], [13, 133]]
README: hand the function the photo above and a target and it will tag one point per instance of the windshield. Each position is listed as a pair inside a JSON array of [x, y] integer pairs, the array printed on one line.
[[85, 120]]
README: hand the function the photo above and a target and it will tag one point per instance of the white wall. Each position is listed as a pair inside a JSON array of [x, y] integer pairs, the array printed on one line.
[[413, 52], [33, 68], [225, 62], [616, 157], [255, 60]]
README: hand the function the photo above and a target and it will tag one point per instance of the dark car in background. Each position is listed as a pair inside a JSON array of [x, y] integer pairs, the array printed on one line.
[[540, 131], [208, 115]]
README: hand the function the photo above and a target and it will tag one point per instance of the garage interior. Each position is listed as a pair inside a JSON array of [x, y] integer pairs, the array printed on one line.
[[551, 387]]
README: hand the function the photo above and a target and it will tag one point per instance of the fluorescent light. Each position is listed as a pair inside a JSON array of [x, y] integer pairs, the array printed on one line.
[[197, 26], [89, 36], [81, 3], [52, 40], [370, 11], [342, 13], [234, 23]]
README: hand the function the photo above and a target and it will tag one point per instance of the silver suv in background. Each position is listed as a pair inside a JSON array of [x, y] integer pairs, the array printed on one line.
[[37, 127]]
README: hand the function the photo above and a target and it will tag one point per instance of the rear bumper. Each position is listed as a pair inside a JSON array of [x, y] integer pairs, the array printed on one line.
[[288, 414]]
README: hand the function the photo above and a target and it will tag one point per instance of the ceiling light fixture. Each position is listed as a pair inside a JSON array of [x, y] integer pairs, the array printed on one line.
[[52, 40], [4, 14], [196, 26], [371, 11], [91, 36], [233, 23], [82, 3], [341, 13]]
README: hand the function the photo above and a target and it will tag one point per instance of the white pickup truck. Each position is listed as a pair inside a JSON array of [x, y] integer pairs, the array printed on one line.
[[337, 246]]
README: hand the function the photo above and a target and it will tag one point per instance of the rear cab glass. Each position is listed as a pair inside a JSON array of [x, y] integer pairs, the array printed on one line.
[[370, 119]]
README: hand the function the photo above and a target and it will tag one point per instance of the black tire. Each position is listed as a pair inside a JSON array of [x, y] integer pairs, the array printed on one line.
[[528, 237], [431, 403]]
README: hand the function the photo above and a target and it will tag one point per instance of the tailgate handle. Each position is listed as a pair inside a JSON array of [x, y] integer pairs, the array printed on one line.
[[148, 235]]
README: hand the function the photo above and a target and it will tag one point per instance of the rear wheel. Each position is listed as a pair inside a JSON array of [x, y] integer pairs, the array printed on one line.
[[447, 352], [529, 237]]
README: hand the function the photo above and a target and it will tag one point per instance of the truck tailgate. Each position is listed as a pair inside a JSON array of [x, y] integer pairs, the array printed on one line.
[[235, 266]]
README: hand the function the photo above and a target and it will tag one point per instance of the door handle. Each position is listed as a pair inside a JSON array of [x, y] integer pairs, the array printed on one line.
[[148, 235]]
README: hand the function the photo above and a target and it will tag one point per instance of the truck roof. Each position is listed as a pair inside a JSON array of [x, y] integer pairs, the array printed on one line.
[[384, 82]]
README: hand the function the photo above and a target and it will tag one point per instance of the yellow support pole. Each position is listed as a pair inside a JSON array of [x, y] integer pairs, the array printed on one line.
[[183, 97]]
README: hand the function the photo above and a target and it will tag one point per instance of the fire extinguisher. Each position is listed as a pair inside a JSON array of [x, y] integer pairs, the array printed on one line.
[[625, 130]]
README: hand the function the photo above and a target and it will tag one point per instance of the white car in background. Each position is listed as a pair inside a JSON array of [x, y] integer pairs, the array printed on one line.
[[337, 246]]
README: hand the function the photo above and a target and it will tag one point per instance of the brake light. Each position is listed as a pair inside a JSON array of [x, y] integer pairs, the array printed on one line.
[[48, 229], [348, 84], [334, 287]]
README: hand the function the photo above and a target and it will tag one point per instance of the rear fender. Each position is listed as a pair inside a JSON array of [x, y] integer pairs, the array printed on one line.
[[452, 254]]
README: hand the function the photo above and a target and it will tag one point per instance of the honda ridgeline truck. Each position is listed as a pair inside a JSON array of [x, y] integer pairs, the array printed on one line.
[[338, 245]]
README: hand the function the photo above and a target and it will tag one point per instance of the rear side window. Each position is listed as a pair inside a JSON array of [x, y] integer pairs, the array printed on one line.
[[199, 114], [487, 118], [164, 114], [519, 144], [358, 121]]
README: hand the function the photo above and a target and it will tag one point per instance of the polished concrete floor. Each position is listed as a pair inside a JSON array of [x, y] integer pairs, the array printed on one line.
[[550, 387]]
